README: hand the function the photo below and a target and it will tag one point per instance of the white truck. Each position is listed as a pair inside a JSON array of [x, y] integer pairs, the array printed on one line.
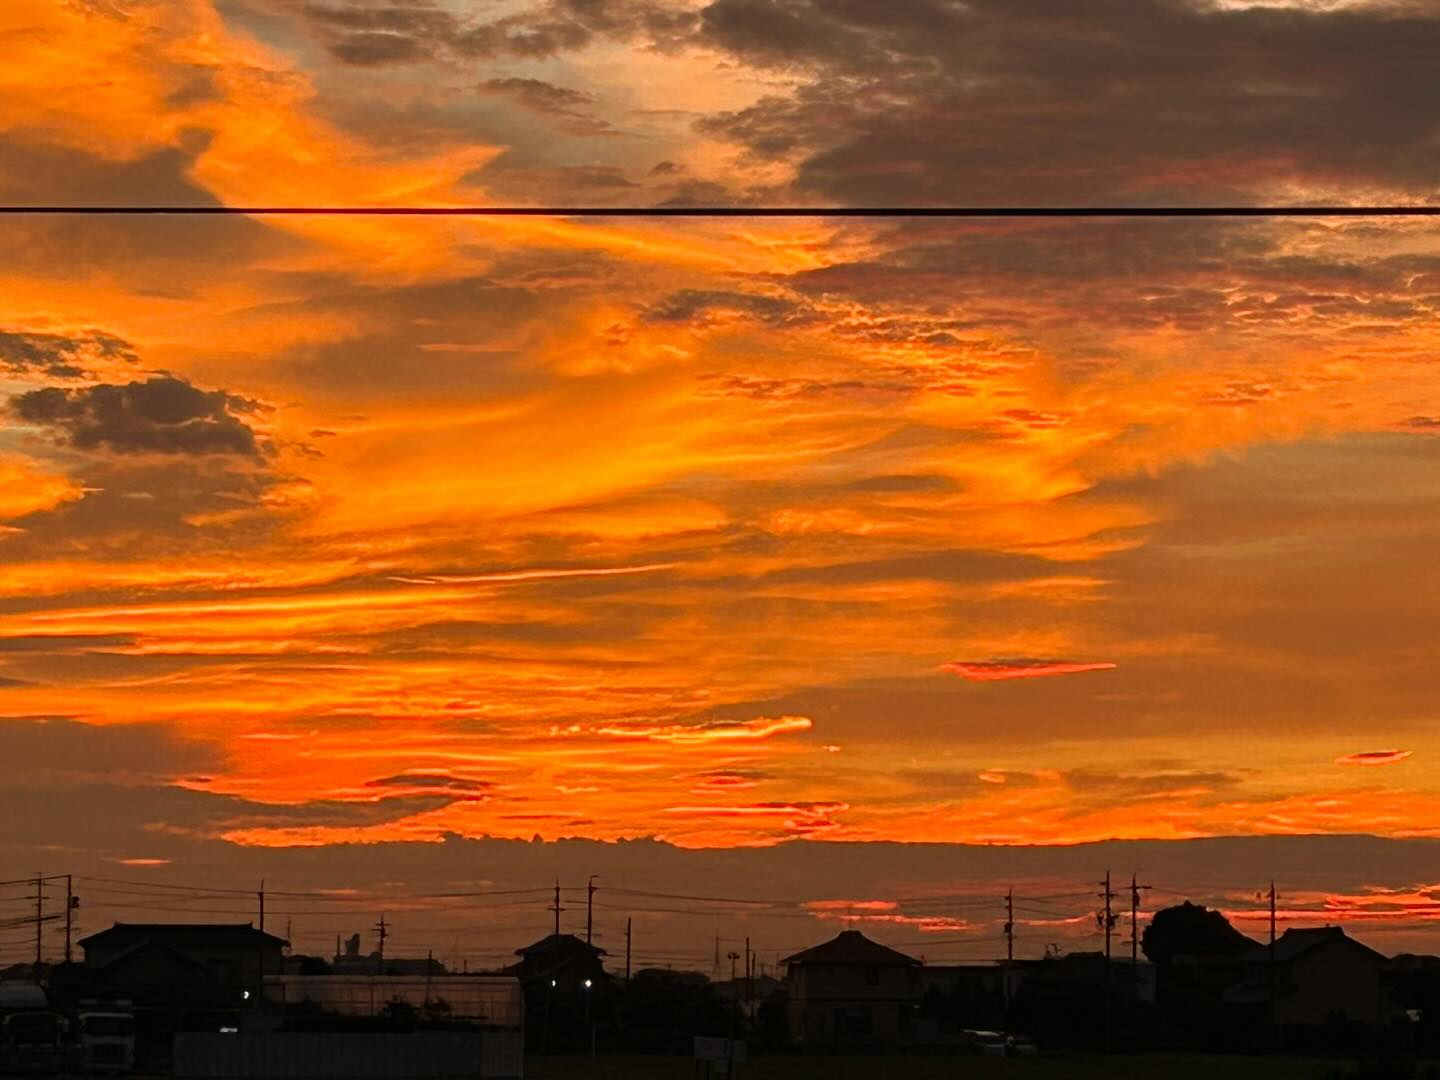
[[31, 1034], [107, 1041]]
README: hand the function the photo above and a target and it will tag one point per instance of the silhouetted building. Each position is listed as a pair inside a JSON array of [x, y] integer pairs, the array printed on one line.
[[960, 997], [1070, 1000], [175, 977], [1319, 976], [563, 961], [189, 963], [851, 991]]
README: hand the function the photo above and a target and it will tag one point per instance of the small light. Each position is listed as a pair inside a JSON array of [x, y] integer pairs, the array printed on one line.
[[552, 982], [587, 984], [245, 995]]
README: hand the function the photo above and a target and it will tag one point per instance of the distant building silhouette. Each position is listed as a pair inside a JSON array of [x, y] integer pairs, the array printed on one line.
[[1320, 976], [851, 991], [187, 963], [562, 959]]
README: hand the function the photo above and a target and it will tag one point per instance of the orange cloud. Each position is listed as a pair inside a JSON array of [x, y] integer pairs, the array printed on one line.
[[1374, 757], [25, 489], [762, 727], [1024, 667]]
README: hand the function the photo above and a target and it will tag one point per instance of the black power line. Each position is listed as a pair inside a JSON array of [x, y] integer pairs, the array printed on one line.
[[1321, 211]]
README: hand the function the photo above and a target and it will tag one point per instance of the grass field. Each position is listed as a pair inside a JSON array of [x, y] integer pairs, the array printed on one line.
[[916, 1067]]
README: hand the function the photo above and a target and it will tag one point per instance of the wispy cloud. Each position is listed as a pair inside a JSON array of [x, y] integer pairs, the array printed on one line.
[[1374, 757], [762, 727], [1020, 667]]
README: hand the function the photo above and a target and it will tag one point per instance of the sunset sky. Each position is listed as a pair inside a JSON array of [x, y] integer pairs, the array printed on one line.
[[356, 539]]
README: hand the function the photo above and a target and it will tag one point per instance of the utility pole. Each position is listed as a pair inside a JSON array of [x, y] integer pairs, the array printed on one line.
[[71, 903], [590, 908], [715, 972], [39, 920], [1009, 942], [734, 1010], [555, 907], [1107, 922], [261, 894], [1135, 888], [382, 932], [628, 921], [748, 992], [1274, 1025]]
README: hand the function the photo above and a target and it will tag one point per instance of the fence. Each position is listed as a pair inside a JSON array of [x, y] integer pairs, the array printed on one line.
[[436, 1055]]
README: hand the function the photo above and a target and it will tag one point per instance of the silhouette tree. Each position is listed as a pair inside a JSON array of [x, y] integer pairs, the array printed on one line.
[[1191, 929]]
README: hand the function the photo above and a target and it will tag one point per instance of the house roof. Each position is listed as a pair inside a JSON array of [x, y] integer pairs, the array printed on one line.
[[557, 942], [139, 948], [182, 935], [851, 947], [1293, 943]]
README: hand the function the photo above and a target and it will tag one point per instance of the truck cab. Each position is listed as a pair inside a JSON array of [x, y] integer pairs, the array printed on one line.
[[31, 1041], [107, 1041]]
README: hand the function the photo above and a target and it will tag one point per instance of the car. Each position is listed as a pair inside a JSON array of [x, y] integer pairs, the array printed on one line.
[[986, 1043]]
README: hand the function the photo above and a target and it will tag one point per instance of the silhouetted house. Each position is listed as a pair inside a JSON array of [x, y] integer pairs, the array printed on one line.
[[563, 961], [1065, 1001], [1413, 984], [851, 991], [960, 997], [197, 977], [186, 963], [1319, 976], [566, 992]]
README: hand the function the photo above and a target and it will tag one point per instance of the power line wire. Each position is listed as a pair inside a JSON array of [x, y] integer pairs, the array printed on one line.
[[1318, 211]]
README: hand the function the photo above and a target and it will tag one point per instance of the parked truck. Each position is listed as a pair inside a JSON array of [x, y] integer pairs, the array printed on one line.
[[107, 1041], [33, 1041]]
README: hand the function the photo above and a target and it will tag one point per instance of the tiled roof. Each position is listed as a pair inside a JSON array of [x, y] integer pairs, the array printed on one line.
[[851, 947], [180, 935]]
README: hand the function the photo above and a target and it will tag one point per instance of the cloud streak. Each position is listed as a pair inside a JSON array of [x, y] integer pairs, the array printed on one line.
[[1021, 667]]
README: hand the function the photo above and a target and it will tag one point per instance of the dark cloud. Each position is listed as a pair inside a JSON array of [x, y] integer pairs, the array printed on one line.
[[431, 782], [761, 388], [537, 94], [936, 102], [162, 415], [698, 305], [62, 643], [925, 101], [968, 287], [60, 356], [569, 107], [371, 49], [38, 752], [511, 177], [1142, 784], [353, 30]]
